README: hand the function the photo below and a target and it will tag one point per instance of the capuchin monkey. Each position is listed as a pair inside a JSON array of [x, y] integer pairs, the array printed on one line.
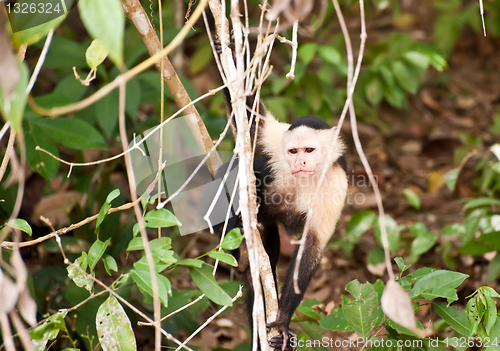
[[288, 169]]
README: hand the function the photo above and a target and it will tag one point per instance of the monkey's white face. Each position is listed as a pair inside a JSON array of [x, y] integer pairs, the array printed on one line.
[[303, 152]]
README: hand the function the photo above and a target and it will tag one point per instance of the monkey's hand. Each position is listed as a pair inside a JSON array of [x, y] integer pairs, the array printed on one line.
[[282, 341], [218, 45]]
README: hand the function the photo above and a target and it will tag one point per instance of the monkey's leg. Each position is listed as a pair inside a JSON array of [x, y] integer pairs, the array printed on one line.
[[289, 300]]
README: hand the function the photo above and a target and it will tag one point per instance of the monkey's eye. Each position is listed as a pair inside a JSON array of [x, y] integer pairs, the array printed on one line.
[[309, 149], [292, 151]]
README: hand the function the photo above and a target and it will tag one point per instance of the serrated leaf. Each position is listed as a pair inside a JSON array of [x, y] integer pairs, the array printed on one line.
[[96, 53], [204, 279], [73, 133], [114, 328], [20, 224], [224, 257], [455, 318], [232, 240], [441, 283], [104, 20], [95, 252], [160, 219], [412, 198]]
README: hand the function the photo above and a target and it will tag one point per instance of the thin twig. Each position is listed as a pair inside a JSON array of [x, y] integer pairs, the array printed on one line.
[[8, 150], [40, 61]]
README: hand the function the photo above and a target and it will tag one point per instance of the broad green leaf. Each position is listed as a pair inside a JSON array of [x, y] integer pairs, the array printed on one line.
[[160, 219], [12, 106], [493, 269], [374, 90], [224, 257], [359, 223], [417, 59], [454, 229], [73, 133], [393, 230], [109, 264], [405, 76], [201, 58], [95, 252], [77, 276], [451, 178], [135, 244], [307, 52], [330, 55], [487, 291], [104, 20], [34, 34], [143, 264], [114, 328], [455, 318], [395, 96], [232, 240], [143, 281], [362, 312], [412, 278], [335, 321], [204, 279], [441, 283], [190, 262], [20, 224], [163, 243], [490, 315], [475, 312], [424, 240], [39, 161], [412, 198], [96, 53], [47, 331]]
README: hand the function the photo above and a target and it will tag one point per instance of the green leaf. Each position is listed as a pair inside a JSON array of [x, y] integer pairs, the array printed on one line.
[[374, 90], [96, 251], [79, 277], [12, 106], [393, 230], [401, 264], [135, 244], [417, 59], [114, 328], [232, 240], [201, 58], [143, 264], [34, 34], [307, 52], [48, 330], [359, 224], [487, 291], [39, 161], [190, 262], [143, 281], [405, 76], [20, 224], [335, 321], [362, 312], [455, 318], [451, 178], [475, 312], [160, 219], [490, 316], [224, 257], [204, 279], [73, 133], [109, 264], [104, 20], [479, 202], [106, 207], [330, 55], [96, 53], [423, 242], [412, 198], [441, 283]]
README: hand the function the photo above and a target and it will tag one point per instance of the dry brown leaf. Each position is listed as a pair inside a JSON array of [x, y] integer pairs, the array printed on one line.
[[396, 304], [9, 294]]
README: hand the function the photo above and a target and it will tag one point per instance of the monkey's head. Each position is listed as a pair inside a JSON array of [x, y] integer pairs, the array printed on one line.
[[306, 146]]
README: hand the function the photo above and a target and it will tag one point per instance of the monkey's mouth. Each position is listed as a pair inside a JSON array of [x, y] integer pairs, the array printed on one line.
[[303, 174]]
